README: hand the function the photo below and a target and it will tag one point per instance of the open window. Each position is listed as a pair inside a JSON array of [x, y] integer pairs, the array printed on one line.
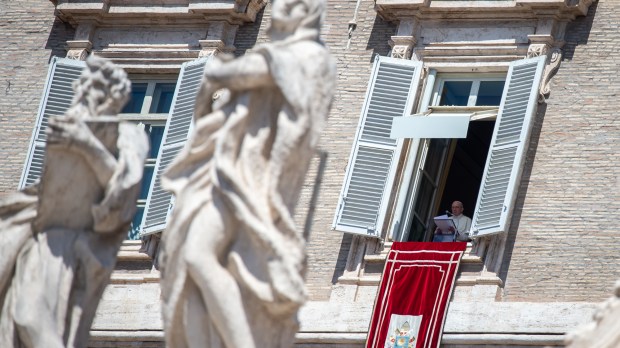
[[455, 133], [159, 202], [148, 107], [467, 144]]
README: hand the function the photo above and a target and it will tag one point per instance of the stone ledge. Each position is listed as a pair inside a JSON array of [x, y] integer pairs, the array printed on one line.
[[477, 280], [331, 337], [132, 336], [480, 10], [130, 278], [130, 251], [503, 339], [145, 12]]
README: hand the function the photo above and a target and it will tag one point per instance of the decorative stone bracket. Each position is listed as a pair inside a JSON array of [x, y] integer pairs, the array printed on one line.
[[545, 45], [80, 47], [402, 46]]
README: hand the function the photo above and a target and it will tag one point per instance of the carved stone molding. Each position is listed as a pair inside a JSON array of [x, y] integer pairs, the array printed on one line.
[[491, 11], [78, 49], [145, 12], [213, 48], [448, 32], [536, 50], [220, 39], [554, 58], [402, 46]]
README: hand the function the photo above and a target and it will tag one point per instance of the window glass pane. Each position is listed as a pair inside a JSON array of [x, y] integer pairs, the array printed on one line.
[[434, 157], [490, 93], [417, 231], [424, 198], [134, 230], [162, 98], [134, 105], [146, 182], [156, 134], [455, 93]]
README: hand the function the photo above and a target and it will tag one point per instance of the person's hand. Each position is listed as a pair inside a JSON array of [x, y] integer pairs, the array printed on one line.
[[68, 131], [451, 229]]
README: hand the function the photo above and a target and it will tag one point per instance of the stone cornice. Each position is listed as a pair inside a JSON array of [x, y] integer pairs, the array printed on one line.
[[394, 10], [189, 12]]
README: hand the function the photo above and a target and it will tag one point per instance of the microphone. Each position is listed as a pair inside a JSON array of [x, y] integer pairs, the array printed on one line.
[[449, 213]]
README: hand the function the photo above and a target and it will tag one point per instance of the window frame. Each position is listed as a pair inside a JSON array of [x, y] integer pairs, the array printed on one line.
[[406, 197], [407, 191], [144, 118]]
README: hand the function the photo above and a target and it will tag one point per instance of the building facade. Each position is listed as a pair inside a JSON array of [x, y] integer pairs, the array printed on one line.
[[532, 83]]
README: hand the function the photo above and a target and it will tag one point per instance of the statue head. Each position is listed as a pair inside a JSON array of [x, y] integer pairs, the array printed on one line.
[[296, 17], [102, 89]]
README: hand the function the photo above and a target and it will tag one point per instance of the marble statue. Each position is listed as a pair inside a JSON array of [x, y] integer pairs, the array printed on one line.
[[232, 261], [604, 330], [59, 238]]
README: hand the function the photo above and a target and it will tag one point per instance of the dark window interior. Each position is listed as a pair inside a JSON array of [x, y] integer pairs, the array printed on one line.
[[467, 167]]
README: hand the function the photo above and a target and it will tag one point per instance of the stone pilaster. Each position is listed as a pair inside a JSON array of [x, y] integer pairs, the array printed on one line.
[[220, 38], [80, 47]]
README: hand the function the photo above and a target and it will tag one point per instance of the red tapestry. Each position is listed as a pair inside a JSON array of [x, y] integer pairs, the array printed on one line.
[[413, 297]]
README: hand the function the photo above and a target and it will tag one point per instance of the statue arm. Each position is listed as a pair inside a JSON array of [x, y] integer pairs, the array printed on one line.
[[243, 73], [247, 72]]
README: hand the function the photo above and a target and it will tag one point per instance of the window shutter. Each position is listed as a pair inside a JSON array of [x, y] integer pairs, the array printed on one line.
[[508, 146], [159, 202], [57, 96], [363, 200]]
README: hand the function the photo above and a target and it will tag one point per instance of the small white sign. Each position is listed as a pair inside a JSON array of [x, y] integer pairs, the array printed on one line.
[[430, 127]]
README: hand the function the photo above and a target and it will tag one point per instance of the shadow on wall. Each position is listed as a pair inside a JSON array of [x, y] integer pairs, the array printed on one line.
[[379, 38], [343, 253], [578, 32], [247, 35], [523, 187], [57, 39]]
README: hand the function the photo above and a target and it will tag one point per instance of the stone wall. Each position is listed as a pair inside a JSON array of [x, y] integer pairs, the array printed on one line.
[[563, 244], [29, 37]]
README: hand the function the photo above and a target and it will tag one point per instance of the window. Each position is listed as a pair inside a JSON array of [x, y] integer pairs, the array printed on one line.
[[162, 106], [469, 92], [431, 158], [451, 169], [148, 107]]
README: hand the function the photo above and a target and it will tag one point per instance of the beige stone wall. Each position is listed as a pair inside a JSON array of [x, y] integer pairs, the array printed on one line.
[[29, 37], [563, 244]]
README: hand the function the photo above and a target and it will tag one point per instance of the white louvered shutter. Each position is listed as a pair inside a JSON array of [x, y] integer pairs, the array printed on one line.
[[57, 96], [363, 200], [159, 202], [504, 165]]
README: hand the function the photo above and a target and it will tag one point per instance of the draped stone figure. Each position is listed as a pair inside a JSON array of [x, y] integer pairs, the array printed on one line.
[[604, 330], [232, 261], [59, 238]]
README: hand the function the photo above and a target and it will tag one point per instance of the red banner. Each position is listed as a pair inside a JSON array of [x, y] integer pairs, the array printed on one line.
[[413, 297]]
